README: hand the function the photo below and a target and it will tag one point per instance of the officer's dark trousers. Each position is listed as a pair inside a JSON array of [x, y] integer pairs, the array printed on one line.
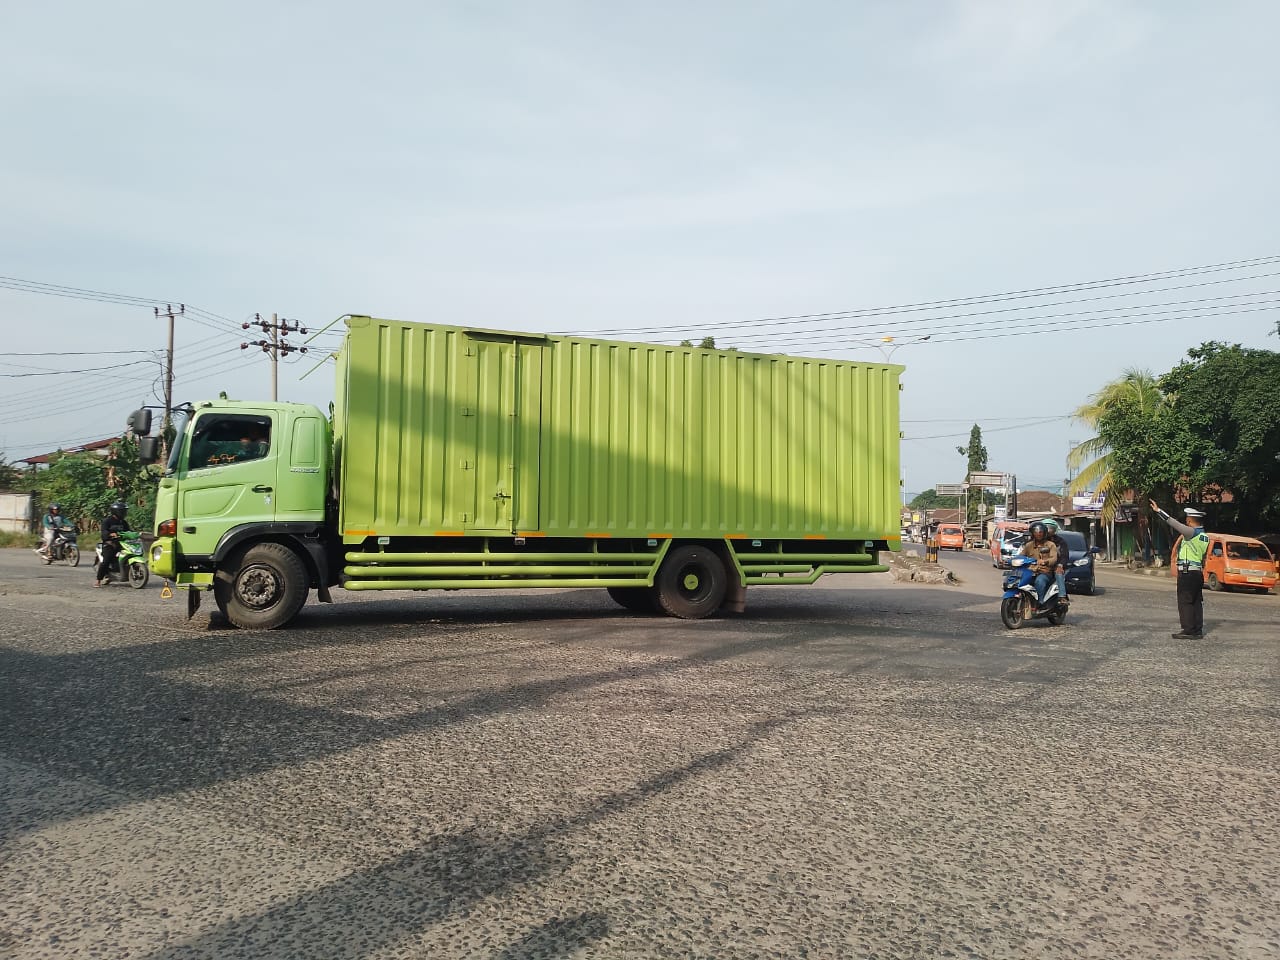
[[1191, 601]]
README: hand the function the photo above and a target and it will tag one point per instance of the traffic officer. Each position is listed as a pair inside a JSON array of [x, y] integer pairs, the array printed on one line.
[[1191, 552]]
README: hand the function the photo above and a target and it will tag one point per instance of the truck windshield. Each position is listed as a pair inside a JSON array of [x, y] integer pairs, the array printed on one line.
[[221, 439], [179, 422]]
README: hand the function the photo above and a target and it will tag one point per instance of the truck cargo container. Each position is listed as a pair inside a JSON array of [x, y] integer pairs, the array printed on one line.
[[672, 477]]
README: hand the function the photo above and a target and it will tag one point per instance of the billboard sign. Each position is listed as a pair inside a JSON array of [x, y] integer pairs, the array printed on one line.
[[1088, 503], [949, 489], [988, 479]]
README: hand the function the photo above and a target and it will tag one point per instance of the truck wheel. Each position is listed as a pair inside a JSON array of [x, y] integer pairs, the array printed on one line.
[[266, 590], [636, 599], [691, 583], [1214, 583]]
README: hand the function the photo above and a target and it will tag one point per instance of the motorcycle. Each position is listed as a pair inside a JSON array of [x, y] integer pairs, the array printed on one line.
[[1021, 603], [63, 548], [131, 562]]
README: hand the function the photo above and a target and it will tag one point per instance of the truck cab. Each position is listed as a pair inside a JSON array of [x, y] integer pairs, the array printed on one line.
[[239, 475]]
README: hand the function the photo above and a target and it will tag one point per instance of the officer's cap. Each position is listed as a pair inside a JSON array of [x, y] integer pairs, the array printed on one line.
[[1193, 512]]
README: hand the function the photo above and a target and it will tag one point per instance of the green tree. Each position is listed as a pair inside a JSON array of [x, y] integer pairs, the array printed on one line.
[[86, 485], [77, 481], [9, 474], [929, 500], [1136, 394], [1227, 399], [976, 456]]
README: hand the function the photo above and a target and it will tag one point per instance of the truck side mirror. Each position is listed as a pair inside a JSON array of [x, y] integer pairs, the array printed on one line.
[[149, 450], [140, 422]]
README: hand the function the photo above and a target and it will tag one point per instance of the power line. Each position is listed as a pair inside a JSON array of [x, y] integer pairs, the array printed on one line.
[[1020, 426], [75, 353], [278, 346], [101, 296], [1030, 292], [54, 373], [809, 336]]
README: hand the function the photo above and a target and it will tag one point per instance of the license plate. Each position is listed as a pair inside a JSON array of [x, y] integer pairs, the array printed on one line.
[[1255, 579]]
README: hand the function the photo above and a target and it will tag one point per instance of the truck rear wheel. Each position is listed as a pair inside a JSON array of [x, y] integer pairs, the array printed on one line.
[[692, 582], [265, 590], [636, 599]]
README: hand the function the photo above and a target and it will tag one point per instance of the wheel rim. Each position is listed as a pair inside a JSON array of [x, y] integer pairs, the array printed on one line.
[[258, 587], [694, 582], [136, 572]]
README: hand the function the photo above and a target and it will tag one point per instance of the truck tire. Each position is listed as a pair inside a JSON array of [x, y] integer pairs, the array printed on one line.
[[692, 582], [265, 590], [635, 599]]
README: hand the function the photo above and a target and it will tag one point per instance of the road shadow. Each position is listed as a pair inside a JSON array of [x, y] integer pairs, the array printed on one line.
[[369, 910]]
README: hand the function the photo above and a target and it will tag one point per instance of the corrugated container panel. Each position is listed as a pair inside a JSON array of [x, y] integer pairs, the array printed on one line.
[[457, 431]]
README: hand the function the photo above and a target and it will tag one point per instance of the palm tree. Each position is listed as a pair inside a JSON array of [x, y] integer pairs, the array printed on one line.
[[1135, 389]]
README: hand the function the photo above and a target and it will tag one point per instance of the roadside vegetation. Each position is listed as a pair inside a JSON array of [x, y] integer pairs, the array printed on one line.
[[1207, 431], [86, 484]]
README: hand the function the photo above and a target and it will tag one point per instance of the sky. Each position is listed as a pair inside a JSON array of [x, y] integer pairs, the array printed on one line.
[[659, 171]]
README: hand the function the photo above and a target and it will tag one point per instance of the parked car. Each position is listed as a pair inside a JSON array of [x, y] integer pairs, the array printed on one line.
[[1079, 579]]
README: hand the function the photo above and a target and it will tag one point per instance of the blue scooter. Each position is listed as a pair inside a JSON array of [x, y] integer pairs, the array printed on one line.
[[1020, 602]]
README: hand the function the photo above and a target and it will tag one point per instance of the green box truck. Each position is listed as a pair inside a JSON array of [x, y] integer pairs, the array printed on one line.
[[672, 477]]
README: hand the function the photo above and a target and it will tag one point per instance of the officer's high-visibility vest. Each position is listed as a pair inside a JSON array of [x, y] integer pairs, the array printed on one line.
[[1193, 549]]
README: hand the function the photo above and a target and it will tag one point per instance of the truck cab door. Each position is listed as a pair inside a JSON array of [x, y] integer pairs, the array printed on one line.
[[227, 477]]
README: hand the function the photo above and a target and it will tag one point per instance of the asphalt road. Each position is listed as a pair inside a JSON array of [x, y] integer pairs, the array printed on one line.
[[857, 769]]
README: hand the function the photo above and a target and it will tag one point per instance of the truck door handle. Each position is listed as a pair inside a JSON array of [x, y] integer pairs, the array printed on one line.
[[188, 529], [262, 488]]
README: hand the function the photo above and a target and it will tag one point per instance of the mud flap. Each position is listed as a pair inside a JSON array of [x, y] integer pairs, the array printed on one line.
[[735, 598], [193, 602]]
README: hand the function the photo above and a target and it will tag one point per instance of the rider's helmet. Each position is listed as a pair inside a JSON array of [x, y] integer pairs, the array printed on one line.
[[1051, 525], [55, 508], [1038, 525], [118, 509]]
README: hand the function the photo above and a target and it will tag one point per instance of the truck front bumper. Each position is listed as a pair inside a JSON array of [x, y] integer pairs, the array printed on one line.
[[163, 561]]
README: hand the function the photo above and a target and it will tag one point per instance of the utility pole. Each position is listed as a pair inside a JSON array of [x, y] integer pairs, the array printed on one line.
[[276, 347], [168, 370]]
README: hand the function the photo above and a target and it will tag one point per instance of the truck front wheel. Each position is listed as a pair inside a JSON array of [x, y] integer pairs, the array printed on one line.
[[692, 582], [265, 590]]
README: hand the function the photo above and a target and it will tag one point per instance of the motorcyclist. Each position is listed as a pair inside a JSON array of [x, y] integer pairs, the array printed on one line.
[[113, 525], [1064, 558], [52, 522], [1045, 554]]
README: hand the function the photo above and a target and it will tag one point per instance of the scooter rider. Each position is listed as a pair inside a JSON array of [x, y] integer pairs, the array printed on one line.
[[1045, 553], [1064, 558], [113, 524], [53, 522]]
